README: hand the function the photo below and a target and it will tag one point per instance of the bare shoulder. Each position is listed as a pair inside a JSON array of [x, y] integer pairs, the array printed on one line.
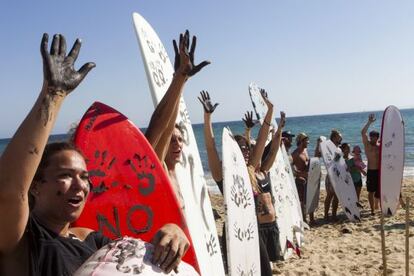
[[81, 232]]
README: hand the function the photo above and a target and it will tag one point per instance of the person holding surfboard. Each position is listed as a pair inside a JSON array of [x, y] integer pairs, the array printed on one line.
[[43, 189], [300, 158], [165, 136], [372, 151], [331, 197], [355, 166], [252, 158]]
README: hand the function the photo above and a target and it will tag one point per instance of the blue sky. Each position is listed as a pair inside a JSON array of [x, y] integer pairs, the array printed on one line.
[[314, 57]]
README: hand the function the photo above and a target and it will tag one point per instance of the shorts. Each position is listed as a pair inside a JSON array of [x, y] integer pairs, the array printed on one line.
[[301, 187], [373, 182], [358, 184], [269, 233]]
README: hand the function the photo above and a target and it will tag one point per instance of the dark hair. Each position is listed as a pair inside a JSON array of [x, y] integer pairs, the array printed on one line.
[[334, 133], [240, 138], [50, 150], [374, 133], [343, 145]]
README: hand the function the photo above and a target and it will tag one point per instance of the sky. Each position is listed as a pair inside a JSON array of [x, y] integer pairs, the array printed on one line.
[[313, 57]]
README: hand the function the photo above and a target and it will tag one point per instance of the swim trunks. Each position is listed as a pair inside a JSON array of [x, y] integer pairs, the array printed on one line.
[[373, 182]]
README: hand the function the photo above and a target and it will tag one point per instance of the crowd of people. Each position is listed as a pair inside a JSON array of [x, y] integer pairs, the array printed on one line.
[[44, 187]]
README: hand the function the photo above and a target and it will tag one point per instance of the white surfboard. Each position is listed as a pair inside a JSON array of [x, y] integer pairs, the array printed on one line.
[[189, 172], [313, 185], [127, 256], [340, 178], [392, 159], [287, 204], [243, 254]]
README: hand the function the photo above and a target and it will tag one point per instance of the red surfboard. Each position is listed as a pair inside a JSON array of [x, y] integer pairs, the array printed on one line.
[[131, 194]]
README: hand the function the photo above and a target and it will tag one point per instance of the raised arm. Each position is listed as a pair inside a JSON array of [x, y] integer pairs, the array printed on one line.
[[212, 155], [371, 119], [275, 144], [263, 132], [163, 119], [20, 160]]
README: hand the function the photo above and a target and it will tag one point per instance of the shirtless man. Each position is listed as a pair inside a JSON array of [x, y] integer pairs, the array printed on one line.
[[371, 146], [300, 158]]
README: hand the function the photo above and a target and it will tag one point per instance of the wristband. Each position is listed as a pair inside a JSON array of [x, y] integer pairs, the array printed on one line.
[[264, 121]]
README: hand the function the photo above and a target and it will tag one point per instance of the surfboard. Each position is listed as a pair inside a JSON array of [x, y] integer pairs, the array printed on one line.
[[313, 185], [127, 256], [189, 172], [287, 204], [391, 159], [243, 254], [131, 194], [340, 178]]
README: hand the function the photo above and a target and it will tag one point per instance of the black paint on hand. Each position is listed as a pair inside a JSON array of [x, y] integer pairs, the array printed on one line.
[[206, 102], [58, 68]]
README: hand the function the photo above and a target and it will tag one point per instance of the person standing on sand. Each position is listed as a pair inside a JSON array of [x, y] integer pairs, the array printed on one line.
[[252, 159], [355, 166], [371, 146], [300, 163], [336, 138]]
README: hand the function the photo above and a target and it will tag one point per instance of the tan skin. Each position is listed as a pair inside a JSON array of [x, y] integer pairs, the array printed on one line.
[[330, 193], [371, 146], [162, 134], [300, 159], [346, 150], [61, 195]]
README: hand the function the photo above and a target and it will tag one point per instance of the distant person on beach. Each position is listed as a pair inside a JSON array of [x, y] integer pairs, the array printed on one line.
[[355, 166], [372, 147], [336, 138], [287, 139], [165, 136], [301, 159], [268, 233], [44, 188]]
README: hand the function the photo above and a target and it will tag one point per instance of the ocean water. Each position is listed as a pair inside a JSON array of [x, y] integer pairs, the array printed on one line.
[[350, 125]]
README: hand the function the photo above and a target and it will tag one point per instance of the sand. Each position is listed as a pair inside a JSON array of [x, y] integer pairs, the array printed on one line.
[[345, 248]]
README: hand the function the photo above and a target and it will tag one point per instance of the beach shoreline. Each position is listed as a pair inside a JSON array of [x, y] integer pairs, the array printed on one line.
[[345, 248]]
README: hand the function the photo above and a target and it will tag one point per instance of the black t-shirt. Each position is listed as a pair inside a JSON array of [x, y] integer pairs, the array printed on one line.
[[43, 252]]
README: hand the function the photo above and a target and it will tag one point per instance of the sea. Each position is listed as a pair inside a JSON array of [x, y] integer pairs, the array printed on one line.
[[349, 124]]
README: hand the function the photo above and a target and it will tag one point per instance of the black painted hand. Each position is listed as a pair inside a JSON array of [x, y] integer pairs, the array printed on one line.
[[206, 102], [170, 245], [184, 58], [266, 98], [371, 118], [248, 119], [59, 73], [282, 121]]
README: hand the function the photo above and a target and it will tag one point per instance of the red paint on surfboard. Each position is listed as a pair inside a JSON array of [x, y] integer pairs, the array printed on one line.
[[131, 193]]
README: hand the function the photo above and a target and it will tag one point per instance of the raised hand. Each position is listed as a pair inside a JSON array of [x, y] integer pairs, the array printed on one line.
[[184, 58], [248, 119], [371, 118], [282, 121], [206, 102], [265, 98], [59, 74]]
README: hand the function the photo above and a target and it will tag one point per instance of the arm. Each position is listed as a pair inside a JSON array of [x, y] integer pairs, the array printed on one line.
[[214, 162], [263, 132], [274, 147], [371, 119], [163, 119], [20, 160]]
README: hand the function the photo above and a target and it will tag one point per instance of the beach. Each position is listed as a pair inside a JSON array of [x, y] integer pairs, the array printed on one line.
[[345, 248]]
